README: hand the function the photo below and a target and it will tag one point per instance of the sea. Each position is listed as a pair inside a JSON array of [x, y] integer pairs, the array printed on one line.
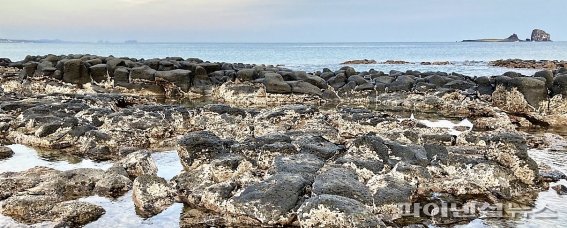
[[466, 58]]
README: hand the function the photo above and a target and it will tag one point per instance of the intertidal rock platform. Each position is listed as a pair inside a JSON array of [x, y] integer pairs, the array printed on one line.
[[270, 146]]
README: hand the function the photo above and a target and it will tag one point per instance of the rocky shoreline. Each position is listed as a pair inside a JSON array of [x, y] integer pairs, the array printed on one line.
[[266, 152], [530, 64]]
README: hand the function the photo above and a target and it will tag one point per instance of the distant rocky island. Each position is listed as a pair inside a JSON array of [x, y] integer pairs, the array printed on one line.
[[31, 41], [58, 41], [538, 35]]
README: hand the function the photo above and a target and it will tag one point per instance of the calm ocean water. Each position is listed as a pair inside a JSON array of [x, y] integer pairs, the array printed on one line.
[[467, 58]]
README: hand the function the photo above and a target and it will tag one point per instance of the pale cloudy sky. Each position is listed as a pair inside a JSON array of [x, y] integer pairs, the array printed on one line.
[[279, 20]]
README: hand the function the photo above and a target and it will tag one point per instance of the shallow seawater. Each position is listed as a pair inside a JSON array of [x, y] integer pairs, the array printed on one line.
[[26, 157], [119, 212]]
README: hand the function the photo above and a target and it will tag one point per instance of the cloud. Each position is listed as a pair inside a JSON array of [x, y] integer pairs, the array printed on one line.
[[275, 20]]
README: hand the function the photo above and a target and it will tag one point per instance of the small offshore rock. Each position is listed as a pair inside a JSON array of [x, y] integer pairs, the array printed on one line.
[[360, 61], [199, 146]]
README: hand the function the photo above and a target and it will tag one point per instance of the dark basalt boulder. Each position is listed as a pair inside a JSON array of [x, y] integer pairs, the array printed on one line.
[[364, 87], [342, 182], [395, 73], [349, 71], [93, 62], [317, 146], [200, 146], [99, 73], [512, 74], [460, 85], [316, 81], [438, 80], [552, 175], [327, 75], [548, 75], [402, 83], [411, 154], [210, 67], [121, 76], [45, 68], [302, 87], [485, 86], [166, 65], [338, 81], [305, 165], [143, 72], [201, 82], [275, 83], [246, 75], [180, 78], [75, 71], [4, 62], [424, 87], [273, 199], [384, 79], [112, 64], [347, 89], [560, 86], [298, 75], [359, 80], [29, 69], [393, 190], [436, 153], [534, 90]]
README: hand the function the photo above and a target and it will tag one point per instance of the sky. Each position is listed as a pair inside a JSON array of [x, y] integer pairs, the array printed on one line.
[[279, 20]]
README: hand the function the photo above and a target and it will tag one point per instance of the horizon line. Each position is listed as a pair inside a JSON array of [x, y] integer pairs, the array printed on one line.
[[133, 42]]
